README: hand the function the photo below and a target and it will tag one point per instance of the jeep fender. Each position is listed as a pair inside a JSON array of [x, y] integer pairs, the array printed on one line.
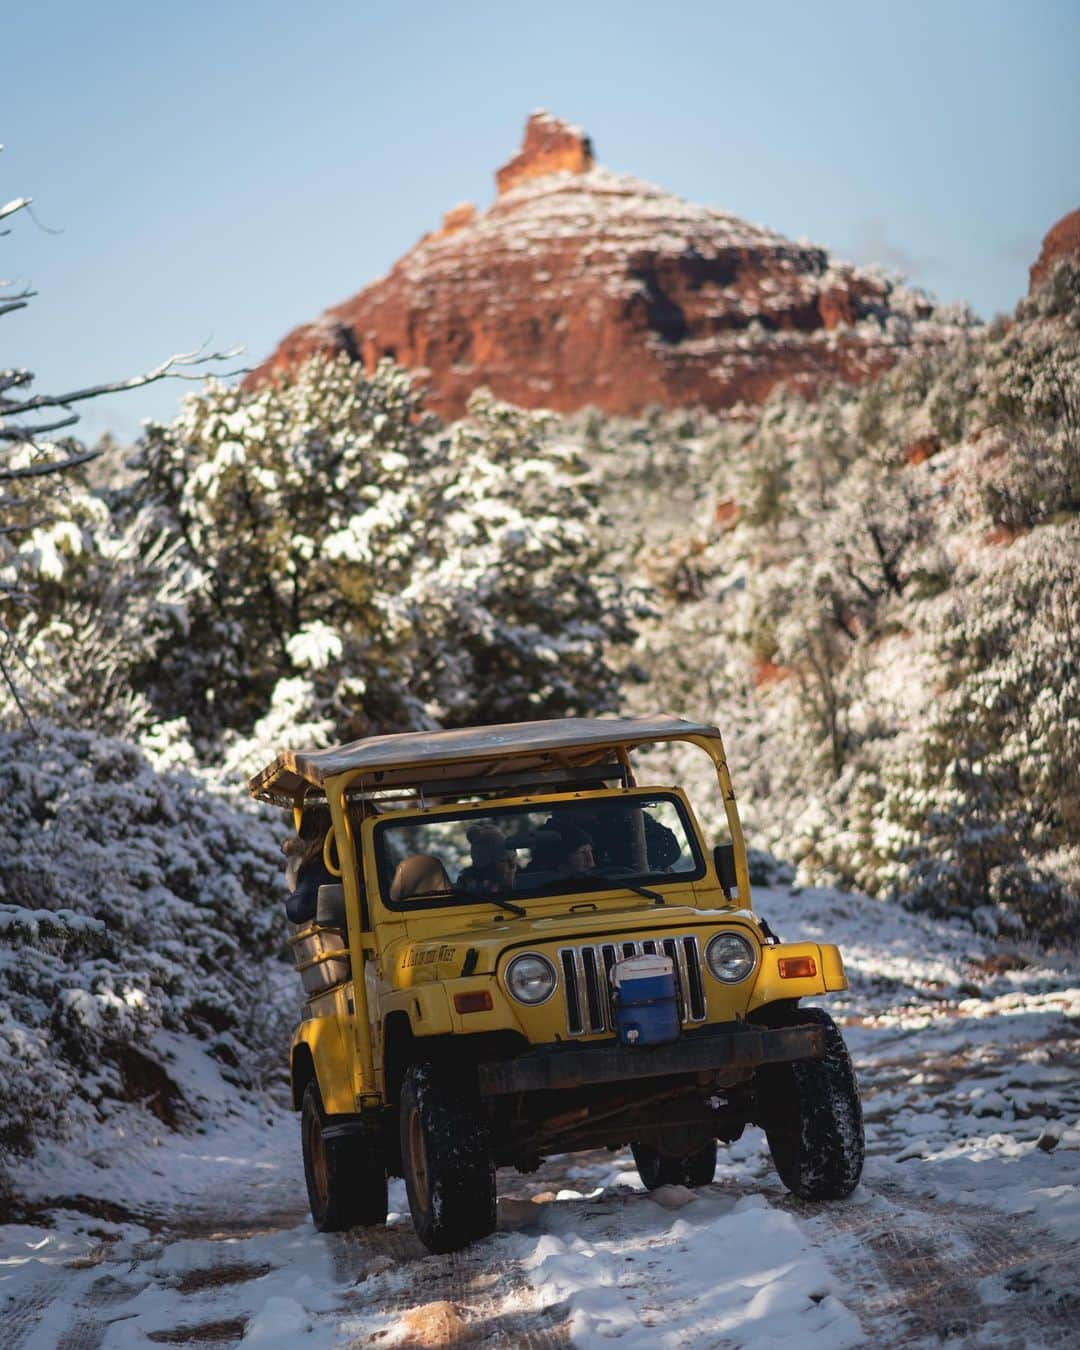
[[427, 1007], [319, 1052], [771, 986]]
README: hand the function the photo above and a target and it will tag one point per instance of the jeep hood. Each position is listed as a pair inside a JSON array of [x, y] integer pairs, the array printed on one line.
[[475, 947]]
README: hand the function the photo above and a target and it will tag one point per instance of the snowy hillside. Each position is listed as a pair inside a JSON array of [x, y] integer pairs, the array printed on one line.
[[877, 597], [963, 1230], [137, 923]]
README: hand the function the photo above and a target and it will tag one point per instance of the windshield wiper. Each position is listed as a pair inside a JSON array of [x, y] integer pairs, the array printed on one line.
[[494, 900], [599, 881], [654, 896]]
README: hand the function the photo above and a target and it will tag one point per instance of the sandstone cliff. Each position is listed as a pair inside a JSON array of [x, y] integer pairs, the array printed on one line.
[[580, 287], [1062, 240]]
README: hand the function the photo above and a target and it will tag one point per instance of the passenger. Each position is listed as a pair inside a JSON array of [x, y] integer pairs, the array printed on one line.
[[305, 870], [562, 849], [618, 840], [493, 870]]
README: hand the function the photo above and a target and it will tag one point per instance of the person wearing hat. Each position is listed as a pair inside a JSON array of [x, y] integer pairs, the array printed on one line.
[[562, 849], [494, 864]]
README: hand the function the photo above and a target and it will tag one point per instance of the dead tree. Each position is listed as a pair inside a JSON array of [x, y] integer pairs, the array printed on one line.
[[29, 422]]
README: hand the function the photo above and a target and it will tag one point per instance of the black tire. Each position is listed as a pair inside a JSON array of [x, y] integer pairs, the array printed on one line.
[[812, 1116], [346, 1177], [446, 1160], [658, 1169]]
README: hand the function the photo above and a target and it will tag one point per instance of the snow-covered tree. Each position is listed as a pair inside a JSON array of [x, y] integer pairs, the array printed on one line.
[[878, 617], [371, 571]]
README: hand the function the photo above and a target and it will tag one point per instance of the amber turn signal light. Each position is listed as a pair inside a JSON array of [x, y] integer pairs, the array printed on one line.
[[796, 967], [477, 1001]]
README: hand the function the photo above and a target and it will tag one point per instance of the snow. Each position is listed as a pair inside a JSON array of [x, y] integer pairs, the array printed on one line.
[[967, 1216], [723, 1268]]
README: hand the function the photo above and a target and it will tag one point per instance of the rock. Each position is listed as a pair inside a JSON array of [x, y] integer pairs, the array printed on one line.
[[518, 1213], [672, 1197], [550, 146], [1062, 241], [989, 1104], [726, 515], [580, 287], [1050, 1137], [458, 217], [438, 1323], [768, 672], [922, 448]]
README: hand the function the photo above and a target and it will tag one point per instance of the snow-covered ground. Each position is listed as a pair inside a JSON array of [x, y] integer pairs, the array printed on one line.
[[964, 1231]]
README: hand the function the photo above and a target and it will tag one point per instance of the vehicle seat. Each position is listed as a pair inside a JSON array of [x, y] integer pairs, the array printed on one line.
[[418, 875], [330, 906]]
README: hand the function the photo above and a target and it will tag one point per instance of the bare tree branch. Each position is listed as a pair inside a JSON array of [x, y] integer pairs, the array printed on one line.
[[23, 529], [48, 466], [19, 433], [13, 690], [22, 424], [16, 204], [167, 369]]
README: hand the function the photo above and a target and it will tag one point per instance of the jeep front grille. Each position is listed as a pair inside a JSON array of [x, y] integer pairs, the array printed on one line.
[[586, 974]]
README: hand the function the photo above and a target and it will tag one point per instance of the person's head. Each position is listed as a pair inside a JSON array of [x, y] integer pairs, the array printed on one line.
[[491, 858], [579, 860], [565, 849]]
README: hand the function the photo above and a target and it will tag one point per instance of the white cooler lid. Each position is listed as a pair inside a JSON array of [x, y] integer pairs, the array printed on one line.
[[641, 968]]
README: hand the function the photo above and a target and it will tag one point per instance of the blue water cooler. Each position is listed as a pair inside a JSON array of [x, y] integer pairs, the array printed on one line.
[[646, 1009]]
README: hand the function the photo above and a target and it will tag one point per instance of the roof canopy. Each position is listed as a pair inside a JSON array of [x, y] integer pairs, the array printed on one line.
[[412, 757]]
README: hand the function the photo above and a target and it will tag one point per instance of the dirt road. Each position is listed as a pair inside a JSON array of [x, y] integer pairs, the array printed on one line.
[[964, 1231]]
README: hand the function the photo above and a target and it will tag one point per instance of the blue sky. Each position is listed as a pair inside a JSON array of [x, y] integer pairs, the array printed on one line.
[[222, 171]]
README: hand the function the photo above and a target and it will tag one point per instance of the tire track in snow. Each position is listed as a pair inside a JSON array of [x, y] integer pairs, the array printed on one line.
[[487, 1289], [74, 1305], [916, 1265]]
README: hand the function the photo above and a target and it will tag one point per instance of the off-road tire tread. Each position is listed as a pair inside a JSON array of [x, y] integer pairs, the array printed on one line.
[[461, 1172], [656, 1169], [355, 1173], [812, 1115]]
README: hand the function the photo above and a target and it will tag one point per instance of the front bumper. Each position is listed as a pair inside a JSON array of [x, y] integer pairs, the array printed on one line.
[[735, 1046]]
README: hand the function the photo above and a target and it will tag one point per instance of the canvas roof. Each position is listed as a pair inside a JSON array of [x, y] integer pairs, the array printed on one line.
[[425, 756]]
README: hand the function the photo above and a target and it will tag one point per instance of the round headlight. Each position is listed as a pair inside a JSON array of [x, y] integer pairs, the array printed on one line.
[[730, 957], [531, 978]]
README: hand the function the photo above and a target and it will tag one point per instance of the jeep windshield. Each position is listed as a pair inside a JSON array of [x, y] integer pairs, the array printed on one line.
[[512, 854]]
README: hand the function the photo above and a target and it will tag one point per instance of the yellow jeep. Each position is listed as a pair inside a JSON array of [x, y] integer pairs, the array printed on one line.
[[531, 953]]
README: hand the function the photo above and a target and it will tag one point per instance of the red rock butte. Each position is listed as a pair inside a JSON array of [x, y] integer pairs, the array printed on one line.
[[581, 287], [1061, 241]]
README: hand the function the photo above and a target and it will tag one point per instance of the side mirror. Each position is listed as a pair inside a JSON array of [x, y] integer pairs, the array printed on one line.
[[724, 858]]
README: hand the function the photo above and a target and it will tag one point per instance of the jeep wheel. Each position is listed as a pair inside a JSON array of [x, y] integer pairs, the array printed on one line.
[[812, 1117], [346, 1179], [660, 1169], [446, 1160]]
